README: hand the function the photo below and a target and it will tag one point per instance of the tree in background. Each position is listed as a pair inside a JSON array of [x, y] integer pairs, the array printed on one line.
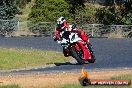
[[107, 15], [126, 12], [56, 8], [76, 6], [8, 9], [22, 3], [116, 14], [77, 9], [87, 16], [49, 10], [113, 13]]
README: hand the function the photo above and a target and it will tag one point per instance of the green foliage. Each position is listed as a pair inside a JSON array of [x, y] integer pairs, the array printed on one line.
[[42, 28], [7, 27], [116, 14], [22, 3], [126, 12], [128, 19], [49, 10], [109, 2], [106, 15], [112, 13], [76, 6], [8, 10], [10, 86], [87, 15]]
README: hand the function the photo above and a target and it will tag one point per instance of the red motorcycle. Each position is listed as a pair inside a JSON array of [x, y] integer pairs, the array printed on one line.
[[74, 46]]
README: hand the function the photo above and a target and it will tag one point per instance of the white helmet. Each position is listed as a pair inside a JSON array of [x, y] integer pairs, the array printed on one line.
[[61, 22]]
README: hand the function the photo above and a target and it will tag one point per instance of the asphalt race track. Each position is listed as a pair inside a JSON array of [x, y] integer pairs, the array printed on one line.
[[110, 53]]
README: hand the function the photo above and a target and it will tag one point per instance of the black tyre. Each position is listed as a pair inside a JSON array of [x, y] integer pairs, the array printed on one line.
[[65, 52], [84, 81], [76, 56], [91, 60]]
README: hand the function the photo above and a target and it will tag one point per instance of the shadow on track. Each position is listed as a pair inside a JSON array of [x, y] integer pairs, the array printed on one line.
[[65, 63]]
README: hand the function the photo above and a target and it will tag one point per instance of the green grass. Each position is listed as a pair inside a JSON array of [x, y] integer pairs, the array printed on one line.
[[10, 86], [11, 58], [125, 77]]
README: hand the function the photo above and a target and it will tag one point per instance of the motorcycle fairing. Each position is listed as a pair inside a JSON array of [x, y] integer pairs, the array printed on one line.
[[85, 50]]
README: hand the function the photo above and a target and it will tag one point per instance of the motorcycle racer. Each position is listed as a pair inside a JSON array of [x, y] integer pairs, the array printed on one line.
[[62, 26]]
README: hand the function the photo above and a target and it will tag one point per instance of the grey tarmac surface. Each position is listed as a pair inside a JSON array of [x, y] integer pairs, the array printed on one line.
[[110, 53]]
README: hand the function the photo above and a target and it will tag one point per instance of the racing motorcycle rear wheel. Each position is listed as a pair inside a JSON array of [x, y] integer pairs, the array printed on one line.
[[77, 56]]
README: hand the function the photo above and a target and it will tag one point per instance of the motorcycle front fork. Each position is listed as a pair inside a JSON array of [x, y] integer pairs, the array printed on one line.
[[90, 48]]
